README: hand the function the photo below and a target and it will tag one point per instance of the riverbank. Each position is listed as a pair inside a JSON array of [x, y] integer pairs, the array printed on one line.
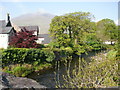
[[50, 76], [56, 73], [23, 61]]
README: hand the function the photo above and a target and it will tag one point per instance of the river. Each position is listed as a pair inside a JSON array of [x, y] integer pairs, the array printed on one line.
[[48, 78]]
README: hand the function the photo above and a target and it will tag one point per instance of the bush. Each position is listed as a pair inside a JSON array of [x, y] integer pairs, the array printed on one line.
[[24, 39], [112, 54], [26, 69], [49, 54], [13, 59], [19, 70], [23, 55], [42, 67], [99, 73], [62, 53]]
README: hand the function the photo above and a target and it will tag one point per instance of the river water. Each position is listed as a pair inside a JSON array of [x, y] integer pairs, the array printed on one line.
[[48, 78]]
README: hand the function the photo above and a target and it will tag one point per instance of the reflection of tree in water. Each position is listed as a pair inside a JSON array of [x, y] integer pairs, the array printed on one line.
[[54, 76]]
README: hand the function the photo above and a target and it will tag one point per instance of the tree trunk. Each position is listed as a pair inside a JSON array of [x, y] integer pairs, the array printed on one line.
[[76, 41]]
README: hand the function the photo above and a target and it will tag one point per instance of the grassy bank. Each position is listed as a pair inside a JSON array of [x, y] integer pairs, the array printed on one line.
[[23, 61]]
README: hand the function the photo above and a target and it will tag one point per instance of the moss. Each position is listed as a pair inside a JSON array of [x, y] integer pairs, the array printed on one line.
[[26, 69], [42, 67]]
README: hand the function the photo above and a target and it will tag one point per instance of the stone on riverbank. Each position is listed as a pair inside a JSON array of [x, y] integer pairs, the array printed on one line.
[[10, 81]]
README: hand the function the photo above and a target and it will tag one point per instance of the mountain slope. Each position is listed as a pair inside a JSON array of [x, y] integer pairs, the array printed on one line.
[[40, 19]]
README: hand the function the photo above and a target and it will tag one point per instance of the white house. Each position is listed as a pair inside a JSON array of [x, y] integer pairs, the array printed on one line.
[[36, 32], [40, 40], [30, 28], [109, 42], [6, 32]]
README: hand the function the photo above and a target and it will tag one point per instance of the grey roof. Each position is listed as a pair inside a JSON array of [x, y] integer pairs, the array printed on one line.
[[30, 28], [3, 28], [46, 37]]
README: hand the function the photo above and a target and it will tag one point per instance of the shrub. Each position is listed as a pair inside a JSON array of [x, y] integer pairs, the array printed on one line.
[[42, 67], [19, 70], [23, 55], [24, 39], [111, 54], [49, 54], [98, 73], [26, 69], [62, 53]]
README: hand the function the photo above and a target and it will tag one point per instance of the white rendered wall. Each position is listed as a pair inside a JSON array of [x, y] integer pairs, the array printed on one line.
[[108, 42], [35, 33], [4, 41], [40, 40]]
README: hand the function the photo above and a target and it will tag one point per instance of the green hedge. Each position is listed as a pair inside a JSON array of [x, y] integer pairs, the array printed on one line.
[[23, 55], [33, 56], [63, 53]]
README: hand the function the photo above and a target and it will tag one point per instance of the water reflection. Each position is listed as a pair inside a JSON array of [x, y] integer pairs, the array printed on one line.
[[49, 77]]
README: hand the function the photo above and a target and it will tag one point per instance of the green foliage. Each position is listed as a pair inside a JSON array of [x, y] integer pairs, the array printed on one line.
[[17, 60], [107, 30], [75, 30], [78, 49], [93, 42], [112, 54], [66, 29], [42, 67], [63, 53], [49, 54], [23, 55], [100, 73], [26, 69], [19, 70]]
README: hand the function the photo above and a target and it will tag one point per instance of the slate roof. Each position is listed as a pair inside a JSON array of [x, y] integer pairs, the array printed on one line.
[[46, 37], [3, 28], [30, 28]]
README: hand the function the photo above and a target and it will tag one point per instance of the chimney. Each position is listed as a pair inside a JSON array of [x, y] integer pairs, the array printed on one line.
[[8, 22], [8, 17]]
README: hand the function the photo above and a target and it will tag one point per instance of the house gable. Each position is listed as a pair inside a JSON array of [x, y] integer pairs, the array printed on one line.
[[6, 32], [30, 28]]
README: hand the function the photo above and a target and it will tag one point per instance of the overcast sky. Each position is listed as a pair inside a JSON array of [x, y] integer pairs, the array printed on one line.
[[100, 9]]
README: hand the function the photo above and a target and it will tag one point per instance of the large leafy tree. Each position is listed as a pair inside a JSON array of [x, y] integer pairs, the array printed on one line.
[[107, 30], [67, 30], [24, 39]]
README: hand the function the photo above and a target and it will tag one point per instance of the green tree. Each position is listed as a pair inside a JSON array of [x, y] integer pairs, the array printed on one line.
[[107, 30], [67, 30]]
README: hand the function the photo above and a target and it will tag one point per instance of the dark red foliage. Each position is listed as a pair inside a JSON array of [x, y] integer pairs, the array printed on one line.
[[24, 39]]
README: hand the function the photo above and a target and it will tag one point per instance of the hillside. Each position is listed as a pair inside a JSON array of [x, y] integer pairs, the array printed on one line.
[[40, 19]]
